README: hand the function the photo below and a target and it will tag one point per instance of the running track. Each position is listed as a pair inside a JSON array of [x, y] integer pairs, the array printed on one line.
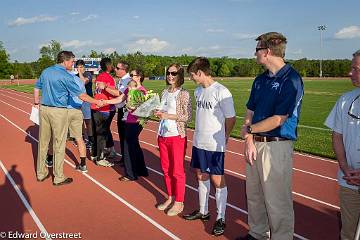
[[98, 206]]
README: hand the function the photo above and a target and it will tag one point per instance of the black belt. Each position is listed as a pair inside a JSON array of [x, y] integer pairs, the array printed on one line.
[[268, 139], [51, 106]]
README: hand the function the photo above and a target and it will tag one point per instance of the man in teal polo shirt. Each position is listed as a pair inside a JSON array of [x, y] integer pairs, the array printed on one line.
[[57, 85]]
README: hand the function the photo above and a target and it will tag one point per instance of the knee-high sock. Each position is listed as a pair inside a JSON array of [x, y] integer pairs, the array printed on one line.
[[221, 199], [204, 191]]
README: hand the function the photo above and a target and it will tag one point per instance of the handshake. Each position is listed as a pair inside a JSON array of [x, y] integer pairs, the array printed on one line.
[[100, 103]]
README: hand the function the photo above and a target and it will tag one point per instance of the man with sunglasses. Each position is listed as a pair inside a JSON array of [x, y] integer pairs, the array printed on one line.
[[121, 71], [269, 129], [344, 120]]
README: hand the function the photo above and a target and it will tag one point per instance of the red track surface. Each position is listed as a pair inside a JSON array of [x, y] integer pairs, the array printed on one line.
[[99, 206]]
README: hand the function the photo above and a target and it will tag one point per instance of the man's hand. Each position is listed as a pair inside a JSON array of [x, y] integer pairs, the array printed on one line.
[[100, 85], [353, 177], [250, 150], [244, 134], [100, 103], [36, 105]]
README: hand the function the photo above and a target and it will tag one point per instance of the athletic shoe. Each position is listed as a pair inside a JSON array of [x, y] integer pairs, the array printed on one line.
[[82, 168], [175, 210], [197, 215], [110, 154], [104, 163], [219, 227], [49, 161]]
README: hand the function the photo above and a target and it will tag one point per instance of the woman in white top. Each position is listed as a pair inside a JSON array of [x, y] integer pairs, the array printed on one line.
[[175, 113]]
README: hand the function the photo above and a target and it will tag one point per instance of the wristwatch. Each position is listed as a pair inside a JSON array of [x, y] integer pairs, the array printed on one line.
[[249, 129]]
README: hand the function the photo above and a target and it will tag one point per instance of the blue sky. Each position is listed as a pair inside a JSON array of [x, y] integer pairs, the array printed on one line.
[[212, 28]]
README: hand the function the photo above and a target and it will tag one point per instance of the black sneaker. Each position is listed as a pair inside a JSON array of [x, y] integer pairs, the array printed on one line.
[[219, 227], [49, 161], [197, 215]]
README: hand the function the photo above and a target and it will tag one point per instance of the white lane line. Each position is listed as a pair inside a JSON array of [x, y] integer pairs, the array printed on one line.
[[296, 169], [314, 174], [24, 201], [15, 99], [123, 201], [235, 153], [143, 215], [192, 130], [243, 176]]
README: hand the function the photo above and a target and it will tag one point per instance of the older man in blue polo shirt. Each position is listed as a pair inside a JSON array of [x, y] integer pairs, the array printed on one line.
[[57, 86], [269, 130]]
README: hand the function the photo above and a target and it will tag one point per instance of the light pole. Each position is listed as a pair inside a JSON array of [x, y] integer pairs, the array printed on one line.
[[321, 28]]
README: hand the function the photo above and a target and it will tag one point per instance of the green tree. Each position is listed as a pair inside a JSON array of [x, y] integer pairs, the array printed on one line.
[[51, 50], [224, 71], [5, 66]]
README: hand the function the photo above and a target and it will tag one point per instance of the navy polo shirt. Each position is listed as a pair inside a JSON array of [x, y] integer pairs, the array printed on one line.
[[57, 85], [280, 94]]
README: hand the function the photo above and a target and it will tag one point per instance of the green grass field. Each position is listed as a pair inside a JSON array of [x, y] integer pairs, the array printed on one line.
[[320, 97]]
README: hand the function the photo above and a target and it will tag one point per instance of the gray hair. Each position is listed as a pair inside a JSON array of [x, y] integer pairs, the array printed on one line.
[[357, 53]]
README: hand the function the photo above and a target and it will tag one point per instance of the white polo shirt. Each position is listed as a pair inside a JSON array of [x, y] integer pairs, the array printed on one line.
[[122, 86], [213, 105], [340, 122]]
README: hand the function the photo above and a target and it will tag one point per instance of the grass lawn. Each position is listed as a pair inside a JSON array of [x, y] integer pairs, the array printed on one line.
[[320, 97]]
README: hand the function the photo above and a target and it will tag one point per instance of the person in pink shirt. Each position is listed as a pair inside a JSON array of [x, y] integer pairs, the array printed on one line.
[[133, 155]]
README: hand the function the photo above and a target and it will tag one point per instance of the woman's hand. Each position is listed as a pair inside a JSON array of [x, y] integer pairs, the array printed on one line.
[[161, 114]]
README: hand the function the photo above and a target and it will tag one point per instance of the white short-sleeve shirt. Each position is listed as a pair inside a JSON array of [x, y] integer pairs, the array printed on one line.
[[340, 121], [213, 105]]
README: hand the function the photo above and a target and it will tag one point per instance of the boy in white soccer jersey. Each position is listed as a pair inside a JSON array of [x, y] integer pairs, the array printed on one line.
[[215, 118]]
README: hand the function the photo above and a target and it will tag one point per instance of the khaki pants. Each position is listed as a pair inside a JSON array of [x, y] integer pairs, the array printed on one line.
[[53, 121], [350, 212], [75, 119], [269, 191]]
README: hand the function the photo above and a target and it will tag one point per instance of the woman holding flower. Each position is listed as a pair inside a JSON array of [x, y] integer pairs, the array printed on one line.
[[174, 114], [133, 155]]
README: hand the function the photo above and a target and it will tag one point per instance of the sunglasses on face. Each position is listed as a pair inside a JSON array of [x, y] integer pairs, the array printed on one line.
[[119, 68], [260, 48], [174, 74], [133, 75], [354, 109]]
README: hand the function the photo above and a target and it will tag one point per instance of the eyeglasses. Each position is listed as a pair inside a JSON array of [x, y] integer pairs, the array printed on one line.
[[260, 48], [354, 109], [174, 74], [133, 75], [119, 68]]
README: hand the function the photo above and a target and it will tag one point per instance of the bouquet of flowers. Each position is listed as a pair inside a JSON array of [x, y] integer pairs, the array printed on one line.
[[143, 105]]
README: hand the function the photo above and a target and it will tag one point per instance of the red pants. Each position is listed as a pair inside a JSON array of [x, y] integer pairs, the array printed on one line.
[[172, 154]]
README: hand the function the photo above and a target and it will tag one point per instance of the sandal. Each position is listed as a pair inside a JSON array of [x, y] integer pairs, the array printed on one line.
[[124, 179]]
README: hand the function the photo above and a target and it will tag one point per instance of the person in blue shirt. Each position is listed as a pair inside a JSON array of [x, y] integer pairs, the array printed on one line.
[[76, 119], [57, 86], [269, 129]]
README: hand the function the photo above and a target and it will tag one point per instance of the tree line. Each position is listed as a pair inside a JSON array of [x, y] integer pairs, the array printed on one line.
[[154, 65]]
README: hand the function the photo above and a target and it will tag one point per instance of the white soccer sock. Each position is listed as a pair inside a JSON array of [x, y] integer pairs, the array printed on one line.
[[221, 199], [204, 190]]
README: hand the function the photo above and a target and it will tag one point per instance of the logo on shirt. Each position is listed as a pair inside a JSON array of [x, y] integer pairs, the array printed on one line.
[[204, 104], [275, 85]]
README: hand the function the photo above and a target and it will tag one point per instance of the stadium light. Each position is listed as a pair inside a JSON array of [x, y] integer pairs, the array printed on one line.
[[321, 28]]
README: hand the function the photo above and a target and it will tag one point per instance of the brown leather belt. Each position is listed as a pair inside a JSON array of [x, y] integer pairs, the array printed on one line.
[[268, 139]]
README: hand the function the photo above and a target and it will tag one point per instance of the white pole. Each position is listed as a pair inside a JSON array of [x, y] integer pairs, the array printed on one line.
[[357, 235], [321, 53]]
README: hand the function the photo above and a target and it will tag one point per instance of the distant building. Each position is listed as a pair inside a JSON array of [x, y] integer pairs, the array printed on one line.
[[91, 65]]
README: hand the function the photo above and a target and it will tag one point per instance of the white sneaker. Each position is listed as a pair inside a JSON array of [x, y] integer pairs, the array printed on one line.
[[104, 163]]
